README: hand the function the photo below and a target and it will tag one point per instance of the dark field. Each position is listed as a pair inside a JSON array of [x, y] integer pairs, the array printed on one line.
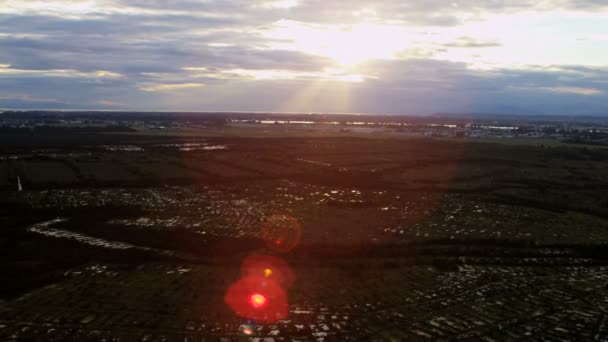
[[136, 237]]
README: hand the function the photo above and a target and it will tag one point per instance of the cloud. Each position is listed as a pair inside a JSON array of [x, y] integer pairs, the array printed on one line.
[[280, 4], [108, 103], [399, 56], [573, 90], [26, 104], [328, 74], [27, 101], [7, 71], [170, 87], [470, 42]]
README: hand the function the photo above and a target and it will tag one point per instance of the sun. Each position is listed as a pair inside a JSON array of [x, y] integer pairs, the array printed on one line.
[[347, 45]]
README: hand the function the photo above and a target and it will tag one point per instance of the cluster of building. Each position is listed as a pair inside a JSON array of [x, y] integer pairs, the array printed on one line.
[[337, 214], [159, 302]]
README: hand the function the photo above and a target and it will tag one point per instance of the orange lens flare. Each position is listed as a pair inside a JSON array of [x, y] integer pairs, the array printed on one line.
[[267, 272], [268, 267], [257, 300]]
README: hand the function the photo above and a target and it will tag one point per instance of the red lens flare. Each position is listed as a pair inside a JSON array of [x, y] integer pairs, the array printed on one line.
[[281, 233], [257, 300], [269, 267]]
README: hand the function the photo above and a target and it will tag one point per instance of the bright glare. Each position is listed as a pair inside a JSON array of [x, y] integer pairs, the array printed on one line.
[[257, 300], [281, 4], [497, 41], [347, 45], [327, 74]]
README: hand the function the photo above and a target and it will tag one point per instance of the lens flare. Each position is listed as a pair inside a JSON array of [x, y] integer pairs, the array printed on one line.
[[257, 300], [268, 267], [281, 233], [246, 329]]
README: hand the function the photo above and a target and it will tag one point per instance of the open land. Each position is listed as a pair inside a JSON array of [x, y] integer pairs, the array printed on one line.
[[133, 231]]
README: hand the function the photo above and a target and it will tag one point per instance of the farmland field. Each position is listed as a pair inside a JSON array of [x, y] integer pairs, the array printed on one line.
[[391, 239], [4, 173]]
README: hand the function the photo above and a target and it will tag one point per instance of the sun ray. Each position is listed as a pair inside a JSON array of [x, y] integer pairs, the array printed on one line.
[[332, 96]]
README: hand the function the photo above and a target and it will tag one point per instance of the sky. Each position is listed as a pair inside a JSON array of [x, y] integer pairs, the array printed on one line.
[[332, 56]]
